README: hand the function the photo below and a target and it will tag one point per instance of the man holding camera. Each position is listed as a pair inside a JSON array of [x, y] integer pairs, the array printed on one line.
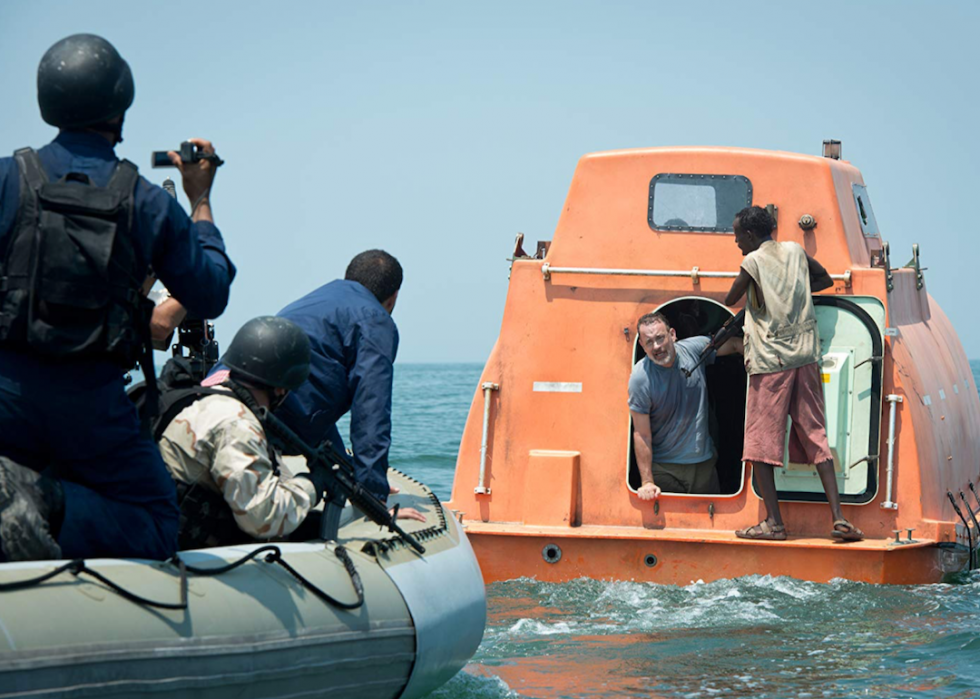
[[79, 234]]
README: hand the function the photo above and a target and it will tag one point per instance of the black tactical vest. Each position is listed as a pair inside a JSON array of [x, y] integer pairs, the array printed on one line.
[[206, 519], [70, 284]]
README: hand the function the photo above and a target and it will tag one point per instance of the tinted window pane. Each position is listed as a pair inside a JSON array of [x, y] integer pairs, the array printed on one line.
[[685, 205], [697, 202], [865, 215]]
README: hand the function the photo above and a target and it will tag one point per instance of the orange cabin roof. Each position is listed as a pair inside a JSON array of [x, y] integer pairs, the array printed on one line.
[[604, 222]]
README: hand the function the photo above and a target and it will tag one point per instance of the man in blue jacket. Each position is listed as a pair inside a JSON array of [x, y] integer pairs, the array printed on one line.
[[95, 486], [353, 341]]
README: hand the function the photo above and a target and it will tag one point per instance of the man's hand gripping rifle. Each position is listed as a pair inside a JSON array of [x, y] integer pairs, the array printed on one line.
[[731, 328], [338, 474]]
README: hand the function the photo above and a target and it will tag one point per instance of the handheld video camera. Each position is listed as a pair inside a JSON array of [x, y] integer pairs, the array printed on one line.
[[189, 153]]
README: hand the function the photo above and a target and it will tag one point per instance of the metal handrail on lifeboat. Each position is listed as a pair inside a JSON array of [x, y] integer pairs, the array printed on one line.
[[695, 273]]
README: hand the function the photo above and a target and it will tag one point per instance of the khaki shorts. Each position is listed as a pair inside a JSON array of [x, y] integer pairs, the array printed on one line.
[[694, 479]]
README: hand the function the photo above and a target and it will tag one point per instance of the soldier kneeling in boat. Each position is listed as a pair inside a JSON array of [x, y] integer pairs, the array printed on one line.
[[232, 486], [674, 451]]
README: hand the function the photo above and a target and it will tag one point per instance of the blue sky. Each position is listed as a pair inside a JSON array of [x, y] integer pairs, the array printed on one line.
[[438, 130]]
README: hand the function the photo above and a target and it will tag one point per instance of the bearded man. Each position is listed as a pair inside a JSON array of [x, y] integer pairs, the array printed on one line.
[[674, 450]]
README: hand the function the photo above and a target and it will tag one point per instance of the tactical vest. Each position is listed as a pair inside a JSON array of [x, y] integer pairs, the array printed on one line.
[[70, 284], [206, 519]]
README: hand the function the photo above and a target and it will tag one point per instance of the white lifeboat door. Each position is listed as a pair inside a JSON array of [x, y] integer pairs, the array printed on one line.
[[851, 370]]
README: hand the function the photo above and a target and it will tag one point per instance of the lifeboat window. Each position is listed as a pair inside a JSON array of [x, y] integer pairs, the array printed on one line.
[[703, 203], [865, 215]]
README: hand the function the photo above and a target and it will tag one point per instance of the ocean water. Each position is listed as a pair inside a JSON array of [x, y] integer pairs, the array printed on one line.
[[757, 636]]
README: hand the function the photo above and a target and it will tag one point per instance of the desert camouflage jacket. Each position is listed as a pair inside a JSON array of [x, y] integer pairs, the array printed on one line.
[[219, 444]]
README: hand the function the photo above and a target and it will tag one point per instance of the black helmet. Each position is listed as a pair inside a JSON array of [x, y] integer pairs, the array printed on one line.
[[82, 81], [272, 351]]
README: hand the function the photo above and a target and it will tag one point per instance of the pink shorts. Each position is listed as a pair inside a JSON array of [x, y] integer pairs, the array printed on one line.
[[796, 393]]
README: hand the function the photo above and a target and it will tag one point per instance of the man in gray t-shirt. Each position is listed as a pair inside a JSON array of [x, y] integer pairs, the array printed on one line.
[[674, 452]]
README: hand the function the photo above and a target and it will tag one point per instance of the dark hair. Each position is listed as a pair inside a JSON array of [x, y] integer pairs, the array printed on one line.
[[756, 220], [377, 271], [650, 319]]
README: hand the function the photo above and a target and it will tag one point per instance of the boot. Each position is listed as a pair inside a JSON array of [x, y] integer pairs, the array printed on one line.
[[29, 502]]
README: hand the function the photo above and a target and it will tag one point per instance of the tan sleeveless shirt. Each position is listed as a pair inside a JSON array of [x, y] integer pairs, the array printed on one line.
[[782, 334]]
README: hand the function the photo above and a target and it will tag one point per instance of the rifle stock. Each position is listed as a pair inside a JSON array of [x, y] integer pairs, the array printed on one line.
[[339, 476]]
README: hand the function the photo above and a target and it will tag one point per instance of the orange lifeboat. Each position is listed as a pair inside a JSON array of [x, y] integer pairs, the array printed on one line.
[[546, 480]]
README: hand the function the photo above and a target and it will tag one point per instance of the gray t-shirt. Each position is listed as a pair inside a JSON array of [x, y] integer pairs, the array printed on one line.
[[678, 406]]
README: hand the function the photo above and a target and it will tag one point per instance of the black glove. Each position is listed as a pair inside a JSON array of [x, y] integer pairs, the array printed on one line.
[[320, 482]]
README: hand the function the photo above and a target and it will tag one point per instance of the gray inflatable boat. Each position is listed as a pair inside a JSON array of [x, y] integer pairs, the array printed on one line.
[[286, 622]]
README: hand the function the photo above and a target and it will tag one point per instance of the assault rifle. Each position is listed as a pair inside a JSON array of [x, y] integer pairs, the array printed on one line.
[[731, 328], [339, 476]]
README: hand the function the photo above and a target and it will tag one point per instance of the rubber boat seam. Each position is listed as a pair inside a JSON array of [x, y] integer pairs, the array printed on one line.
[[196, 679], [174, 649], [6, 634], [359, 660]]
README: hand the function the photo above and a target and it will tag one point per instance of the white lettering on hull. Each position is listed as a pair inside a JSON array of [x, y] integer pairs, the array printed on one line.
[[558, 386]]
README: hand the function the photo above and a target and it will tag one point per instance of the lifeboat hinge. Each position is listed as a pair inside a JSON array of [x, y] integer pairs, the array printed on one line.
[[870, 458], [875, 359], [920, 280], [887, 262], [519, 248]]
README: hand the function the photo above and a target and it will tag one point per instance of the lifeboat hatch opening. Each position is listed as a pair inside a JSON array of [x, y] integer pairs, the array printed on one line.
[[851, 373], [691, 317]]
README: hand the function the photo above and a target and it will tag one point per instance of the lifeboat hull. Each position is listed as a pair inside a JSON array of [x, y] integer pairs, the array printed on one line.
[[684, 557]]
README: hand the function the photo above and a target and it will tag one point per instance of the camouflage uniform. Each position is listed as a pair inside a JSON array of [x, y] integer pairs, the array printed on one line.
[[218, 445]]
